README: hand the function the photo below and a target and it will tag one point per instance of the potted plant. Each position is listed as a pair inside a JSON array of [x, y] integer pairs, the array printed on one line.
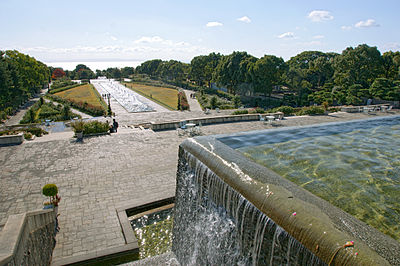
[[78, 127], [51, 191]]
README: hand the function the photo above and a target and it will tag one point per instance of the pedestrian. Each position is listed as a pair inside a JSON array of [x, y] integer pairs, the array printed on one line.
[[115, 125]]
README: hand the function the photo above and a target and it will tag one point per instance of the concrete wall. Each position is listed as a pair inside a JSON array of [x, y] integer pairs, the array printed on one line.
[[210, 120], [28, 238], [11, 139]]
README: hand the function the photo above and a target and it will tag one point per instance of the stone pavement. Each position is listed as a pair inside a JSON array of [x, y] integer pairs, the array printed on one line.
[[101, 173], [193, 103]]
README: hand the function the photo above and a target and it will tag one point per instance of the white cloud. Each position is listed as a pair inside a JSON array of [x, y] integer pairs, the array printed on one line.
[[286, 35], [214, 24], [369, 23], [146, 39], [346, 27], [391, 46], [320, 15], [245, 19], [113, 38], [318, 37]]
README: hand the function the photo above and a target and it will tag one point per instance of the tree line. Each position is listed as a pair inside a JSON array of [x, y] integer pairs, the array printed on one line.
[[21, 76], [310, 77]]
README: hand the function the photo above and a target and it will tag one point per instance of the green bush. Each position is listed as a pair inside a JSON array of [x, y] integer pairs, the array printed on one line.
[[241, 112], [286, 110], [37, 131], [27, 135], [50, 190], [94, 127], [312, 110]]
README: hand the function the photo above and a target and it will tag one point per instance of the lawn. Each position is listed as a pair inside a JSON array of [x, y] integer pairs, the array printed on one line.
[[84, 93], [165, 96]]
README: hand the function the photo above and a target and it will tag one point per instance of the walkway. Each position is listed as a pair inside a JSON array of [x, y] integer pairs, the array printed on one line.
[[101, 173], [193, 103]]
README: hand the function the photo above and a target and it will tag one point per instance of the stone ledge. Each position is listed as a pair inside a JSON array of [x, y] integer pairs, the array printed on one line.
[[11, 139], [97, 255]]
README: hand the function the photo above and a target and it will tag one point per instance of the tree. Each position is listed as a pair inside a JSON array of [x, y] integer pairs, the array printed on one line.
[[127, 71], [233, 70], [385, 89], [360, 65], [266, 72], [57, 73], [149, 67], [391, 65]]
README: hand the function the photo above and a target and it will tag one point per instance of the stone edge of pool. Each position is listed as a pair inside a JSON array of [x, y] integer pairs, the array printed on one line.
[[318, 225]]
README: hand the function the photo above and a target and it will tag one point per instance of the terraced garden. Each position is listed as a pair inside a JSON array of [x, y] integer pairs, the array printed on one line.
[[84, 93]]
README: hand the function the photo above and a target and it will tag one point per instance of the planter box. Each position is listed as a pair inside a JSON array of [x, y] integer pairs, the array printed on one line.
[[11, 139]]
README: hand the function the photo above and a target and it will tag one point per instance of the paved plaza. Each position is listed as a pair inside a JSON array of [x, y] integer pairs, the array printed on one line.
[[101, 173]]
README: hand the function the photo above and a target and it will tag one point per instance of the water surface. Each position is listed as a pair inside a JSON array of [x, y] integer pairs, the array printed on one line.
[[357, 170]]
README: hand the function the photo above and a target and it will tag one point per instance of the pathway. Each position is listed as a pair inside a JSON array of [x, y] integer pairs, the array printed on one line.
[[193, 103]]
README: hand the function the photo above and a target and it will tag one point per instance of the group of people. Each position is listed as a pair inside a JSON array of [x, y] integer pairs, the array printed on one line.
[[193, 96]]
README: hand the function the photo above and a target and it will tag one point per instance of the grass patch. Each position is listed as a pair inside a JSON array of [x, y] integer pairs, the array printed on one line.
[[167, 97], [84, 93]]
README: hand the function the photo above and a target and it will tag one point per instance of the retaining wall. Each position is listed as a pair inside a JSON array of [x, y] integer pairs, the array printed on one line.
[[28, 238]]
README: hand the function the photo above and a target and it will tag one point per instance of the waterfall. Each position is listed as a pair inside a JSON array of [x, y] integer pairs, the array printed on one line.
[[216, 225]]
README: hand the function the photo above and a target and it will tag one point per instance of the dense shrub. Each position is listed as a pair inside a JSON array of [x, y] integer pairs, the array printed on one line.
[[37, 131], [27, 135], [182, 101], [241, 112], [94, 127], [287, 110], [312, 110]]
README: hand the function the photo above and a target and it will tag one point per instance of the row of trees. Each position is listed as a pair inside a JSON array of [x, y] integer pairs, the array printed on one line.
[[82, 72], [21, 76], [311, 76]]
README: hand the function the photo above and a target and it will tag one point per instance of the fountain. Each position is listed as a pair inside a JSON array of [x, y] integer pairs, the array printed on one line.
[[128, 99], [230, 210]]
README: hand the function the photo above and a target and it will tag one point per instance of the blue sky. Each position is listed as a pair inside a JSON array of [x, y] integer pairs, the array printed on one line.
[[54, 31]]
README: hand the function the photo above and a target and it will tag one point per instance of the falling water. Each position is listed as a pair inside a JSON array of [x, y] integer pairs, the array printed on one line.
[[215, 225]]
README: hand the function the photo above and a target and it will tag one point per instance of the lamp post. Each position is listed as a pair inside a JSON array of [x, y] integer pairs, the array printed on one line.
[[108, 97]]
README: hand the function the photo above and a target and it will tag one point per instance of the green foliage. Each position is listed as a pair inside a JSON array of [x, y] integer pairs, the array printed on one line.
[[55, 90], [312, 110], [182, 101], [94, 127], [385, 89], [241, 112], [286, 110], [60, 83], [78, 126], [50, 190], [21, 77], [214, 102], [81, 106], [236, 101], [37, 131], [27, 135]]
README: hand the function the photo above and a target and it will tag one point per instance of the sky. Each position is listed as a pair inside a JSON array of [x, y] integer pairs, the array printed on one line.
[[57, 32]]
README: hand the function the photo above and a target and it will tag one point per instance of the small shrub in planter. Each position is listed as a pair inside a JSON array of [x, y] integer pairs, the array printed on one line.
[[94, 127], [78, 126], [27, 135], [312, 110], [51, 191]]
